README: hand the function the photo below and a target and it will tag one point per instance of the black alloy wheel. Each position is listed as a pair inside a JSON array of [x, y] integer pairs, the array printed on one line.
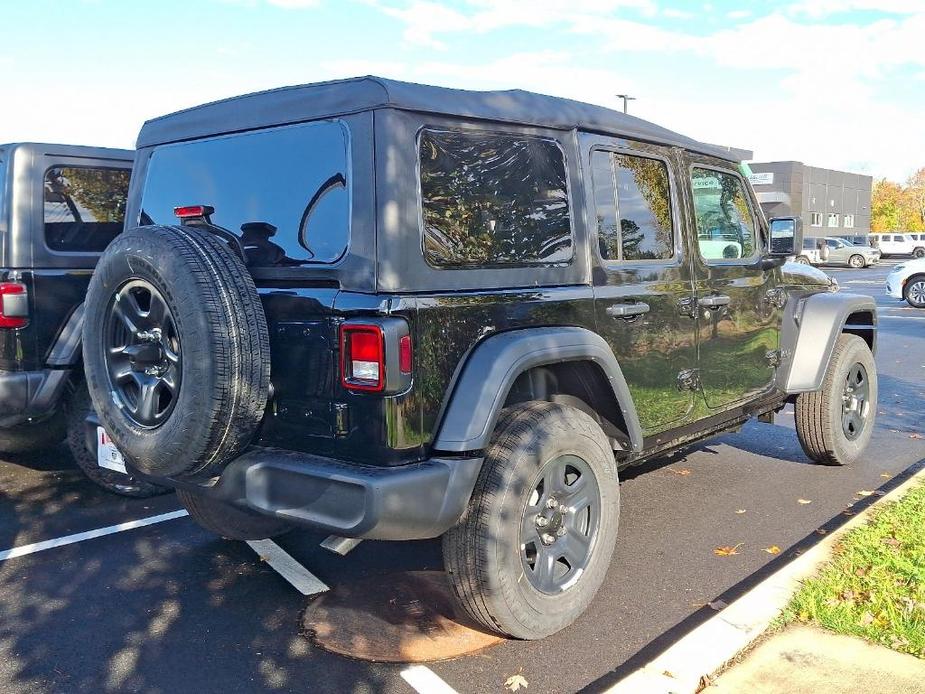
[[142, 353], [855, 401], [560, 524]]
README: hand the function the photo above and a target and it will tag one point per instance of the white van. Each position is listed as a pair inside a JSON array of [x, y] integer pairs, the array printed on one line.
[[899, 244]]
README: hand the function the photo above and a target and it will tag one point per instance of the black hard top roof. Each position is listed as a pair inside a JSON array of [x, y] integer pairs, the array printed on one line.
[[337, 98], [70, 150]]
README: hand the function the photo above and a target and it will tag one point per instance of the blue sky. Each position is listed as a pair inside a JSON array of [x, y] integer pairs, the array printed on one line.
[[837, 83]]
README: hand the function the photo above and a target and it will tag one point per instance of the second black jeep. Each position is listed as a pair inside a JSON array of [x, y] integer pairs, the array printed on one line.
[[60, 206], [394, 311]]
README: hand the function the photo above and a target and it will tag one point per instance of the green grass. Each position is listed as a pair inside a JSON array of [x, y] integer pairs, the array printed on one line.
[[874, 587]]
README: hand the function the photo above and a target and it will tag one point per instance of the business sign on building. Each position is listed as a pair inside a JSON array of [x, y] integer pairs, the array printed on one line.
[[761, 179]]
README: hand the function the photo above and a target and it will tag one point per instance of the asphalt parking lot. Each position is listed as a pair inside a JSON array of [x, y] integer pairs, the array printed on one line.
[[169, 607]]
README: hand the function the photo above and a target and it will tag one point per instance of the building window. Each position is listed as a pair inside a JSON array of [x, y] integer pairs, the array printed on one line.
[[833, 220], [849, 221], [815, 219]]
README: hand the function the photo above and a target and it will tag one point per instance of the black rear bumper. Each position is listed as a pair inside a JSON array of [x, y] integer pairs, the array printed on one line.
[[406, 502], [26, 395]]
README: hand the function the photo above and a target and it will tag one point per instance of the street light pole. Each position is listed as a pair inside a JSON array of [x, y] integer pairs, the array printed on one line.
[[626, 98]]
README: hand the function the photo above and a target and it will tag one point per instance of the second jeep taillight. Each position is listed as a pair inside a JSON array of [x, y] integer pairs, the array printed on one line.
[[375, 355], [14, 305]]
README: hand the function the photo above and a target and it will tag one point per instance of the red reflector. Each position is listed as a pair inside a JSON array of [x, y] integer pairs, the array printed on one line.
[[362, 357], [14, 305], [404, 354], [193, 211]]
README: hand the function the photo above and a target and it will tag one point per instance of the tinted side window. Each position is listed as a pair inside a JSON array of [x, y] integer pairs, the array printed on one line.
[[725, 226], [493, 199], [84, 207], [633, 207], [284, 191]]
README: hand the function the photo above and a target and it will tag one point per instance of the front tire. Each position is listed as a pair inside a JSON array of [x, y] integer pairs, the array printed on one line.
[[229, 521], [534, 546], [918, 253], [856, 261], [914, 291], [835, 423], [802, 260]]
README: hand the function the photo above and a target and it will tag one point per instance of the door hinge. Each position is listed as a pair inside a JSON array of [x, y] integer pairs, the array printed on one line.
[[688, 306], [776, 297], [689, 379]]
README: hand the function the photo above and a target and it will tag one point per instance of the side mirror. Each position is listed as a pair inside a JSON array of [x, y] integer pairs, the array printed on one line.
[[786, 236]]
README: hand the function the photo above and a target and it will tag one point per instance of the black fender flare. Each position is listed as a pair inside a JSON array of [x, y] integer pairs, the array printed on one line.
[[65, 352], [810, 330], [492, 367]]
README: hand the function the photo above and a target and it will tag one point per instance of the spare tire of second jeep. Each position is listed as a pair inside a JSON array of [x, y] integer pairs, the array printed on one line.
[[215, 340]]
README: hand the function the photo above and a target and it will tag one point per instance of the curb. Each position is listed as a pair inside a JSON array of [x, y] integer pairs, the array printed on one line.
[[707, 648]]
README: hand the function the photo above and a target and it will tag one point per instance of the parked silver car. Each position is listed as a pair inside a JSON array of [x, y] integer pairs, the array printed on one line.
[[835, 251]]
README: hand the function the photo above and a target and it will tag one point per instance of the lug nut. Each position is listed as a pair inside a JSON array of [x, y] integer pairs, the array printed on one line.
[[561, 531], [551, 503], [547, 538], [542, 521]]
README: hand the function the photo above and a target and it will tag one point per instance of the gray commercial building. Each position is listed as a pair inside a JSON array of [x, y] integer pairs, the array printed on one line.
[[831, 203]]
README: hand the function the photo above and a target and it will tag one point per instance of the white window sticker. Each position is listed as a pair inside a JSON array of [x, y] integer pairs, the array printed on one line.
[[107, 455]]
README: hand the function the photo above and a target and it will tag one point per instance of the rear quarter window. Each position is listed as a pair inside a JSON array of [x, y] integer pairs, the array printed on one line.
[[493, 199], [84, 207]]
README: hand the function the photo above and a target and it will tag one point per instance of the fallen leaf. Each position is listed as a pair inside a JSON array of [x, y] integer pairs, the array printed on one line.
[[885, 475], [680, 471], [773, 549], [726, 550], [860, 572], [515, 682], [822, 531], [666, 673], [892, 542], [718, 605], [804, 501], [740, 511], [916, 436], [864, 492], [866, 619]]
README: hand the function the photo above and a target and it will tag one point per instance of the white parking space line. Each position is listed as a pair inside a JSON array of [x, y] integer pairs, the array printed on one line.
[[88, 535], [425, 681], [283, 563], [904, 317]]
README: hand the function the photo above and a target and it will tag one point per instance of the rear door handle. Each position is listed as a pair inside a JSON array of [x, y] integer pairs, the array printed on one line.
[[627, 310], [713, 301]]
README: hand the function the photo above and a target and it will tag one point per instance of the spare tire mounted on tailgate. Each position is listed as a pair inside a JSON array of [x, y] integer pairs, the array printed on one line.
[[176, 350]]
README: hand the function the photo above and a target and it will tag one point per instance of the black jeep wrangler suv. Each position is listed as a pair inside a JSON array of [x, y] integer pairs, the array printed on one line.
[[60, 206], [394, 311]]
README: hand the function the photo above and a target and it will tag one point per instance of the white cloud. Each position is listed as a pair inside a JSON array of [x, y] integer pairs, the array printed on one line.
[[824, 8]]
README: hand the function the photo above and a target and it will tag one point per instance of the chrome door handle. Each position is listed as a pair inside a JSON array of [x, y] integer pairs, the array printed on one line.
[[713, 301], [627, 310]]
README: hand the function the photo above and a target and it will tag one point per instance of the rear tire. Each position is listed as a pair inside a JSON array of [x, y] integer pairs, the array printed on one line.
[[230, 521], [914, 291], [202, 358], [918, 253], [835, 423], [78, 408], [488, 553]]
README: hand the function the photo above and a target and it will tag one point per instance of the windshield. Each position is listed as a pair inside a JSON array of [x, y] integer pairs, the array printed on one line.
[[283, 191]]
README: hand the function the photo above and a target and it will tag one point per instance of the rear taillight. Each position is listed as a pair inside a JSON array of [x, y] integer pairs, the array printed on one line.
[[14, 305], [362, 357], [375, 355]]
